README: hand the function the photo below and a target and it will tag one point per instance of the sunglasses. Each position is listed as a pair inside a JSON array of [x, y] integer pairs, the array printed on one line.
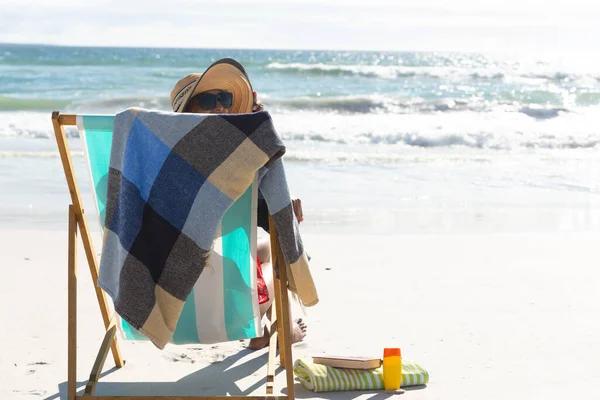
[[208, 101]]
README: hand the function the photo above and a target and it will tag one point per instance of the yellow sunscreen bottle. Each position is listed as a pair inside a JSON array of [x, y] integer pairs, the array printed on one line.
[[392, 368]]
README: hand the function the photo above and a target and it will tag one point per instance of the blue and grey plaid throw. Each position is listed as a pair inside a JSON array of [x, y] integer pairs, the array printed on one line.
[[171, 179]]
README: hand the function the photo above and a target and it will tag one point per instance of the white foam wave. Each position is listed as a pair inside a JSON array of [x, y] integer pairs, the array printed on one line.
[[385, 71], [439, 72], [496, 129], [374, 71], [386, 104], [30, 125], [378, 103], [491, 130]]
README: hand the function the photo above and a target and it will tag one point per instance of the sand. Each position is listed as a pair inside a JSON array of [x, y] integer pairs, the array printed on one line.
[[512, 316]]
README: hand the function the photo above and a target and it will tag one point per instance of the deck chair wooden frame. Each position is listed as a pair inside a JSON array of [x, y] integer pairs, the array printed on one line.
[[280, 326]]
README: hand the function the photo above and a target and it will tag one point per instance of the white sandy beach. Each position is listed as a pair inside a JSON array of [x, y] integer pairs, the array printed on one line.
[[491, 316], [447, 156]]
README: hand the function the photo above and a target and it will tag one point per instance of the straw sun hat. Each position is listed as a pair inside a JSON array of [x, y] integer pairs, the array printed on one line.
[[225, 74]]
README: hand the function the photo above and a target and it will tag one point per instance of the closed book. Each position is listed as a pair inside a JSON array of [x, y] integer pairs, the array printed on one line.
[[348, 362]]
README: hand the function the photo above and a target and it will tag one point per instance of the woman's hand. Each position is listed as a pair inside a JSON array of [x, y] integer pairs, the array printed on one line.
[[297, 206], [256, 106]]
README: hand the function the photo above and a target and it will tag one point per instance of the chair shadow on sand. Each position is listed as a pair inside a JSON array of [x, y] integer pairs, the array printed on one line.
[[216, 379]]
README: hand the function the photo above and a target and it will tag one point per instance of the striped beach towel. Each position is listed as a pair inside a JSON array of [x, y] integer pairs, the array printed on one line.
[[322, 378], [223, 304]]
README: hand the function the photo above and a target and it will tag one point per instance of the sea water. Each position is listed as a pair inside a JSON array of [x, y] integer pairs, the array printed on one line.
[[379, 142]]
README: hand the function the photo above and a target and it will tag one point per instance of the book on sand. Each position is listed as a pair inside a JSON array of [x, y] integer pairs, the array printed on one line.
[[348, 362]]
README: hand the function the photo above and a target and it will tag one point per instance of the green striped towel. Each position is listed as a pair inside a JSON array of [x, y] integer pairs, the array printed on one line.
[[322, 378]]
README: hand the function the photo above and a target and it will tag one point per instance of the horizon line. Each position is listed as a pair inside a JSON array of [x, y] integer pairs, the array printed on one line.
[[235, 48]]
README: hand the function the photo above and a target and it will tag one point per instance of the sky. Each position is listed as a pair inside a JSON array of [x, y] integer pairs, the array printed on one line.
[[427, 25]]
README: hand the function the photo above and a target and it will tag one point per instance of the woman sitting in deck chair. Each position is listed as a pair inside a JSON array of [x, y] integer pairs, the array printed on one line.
[[224, 88]]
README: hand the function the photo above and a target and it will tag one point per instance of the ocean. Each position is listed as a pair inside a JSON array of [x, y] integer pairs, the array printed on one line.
[[378, 142]]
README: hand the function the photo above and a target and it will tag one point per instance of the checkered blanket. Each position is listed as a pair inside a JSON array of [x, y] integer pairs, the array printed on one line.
[[171, 179]]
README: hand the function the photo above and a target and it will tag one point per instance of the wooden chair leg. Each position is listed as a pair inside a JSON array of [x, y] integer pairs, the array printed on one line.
[[285, 346], [272, 349], [109, 336], [72, 309], [58, 122], [279, 319], [102, 301], [276, 286], [282, 308]]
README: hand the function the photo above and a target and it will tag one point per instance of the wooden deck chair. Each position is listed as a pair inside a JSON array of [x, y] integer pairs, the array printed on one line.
[[96, 132]]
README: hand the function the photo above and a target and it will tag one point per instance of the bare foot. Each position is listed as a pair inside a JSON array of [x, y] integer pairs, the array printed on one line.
[[298, 334], [260, 342], [298, 331]]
